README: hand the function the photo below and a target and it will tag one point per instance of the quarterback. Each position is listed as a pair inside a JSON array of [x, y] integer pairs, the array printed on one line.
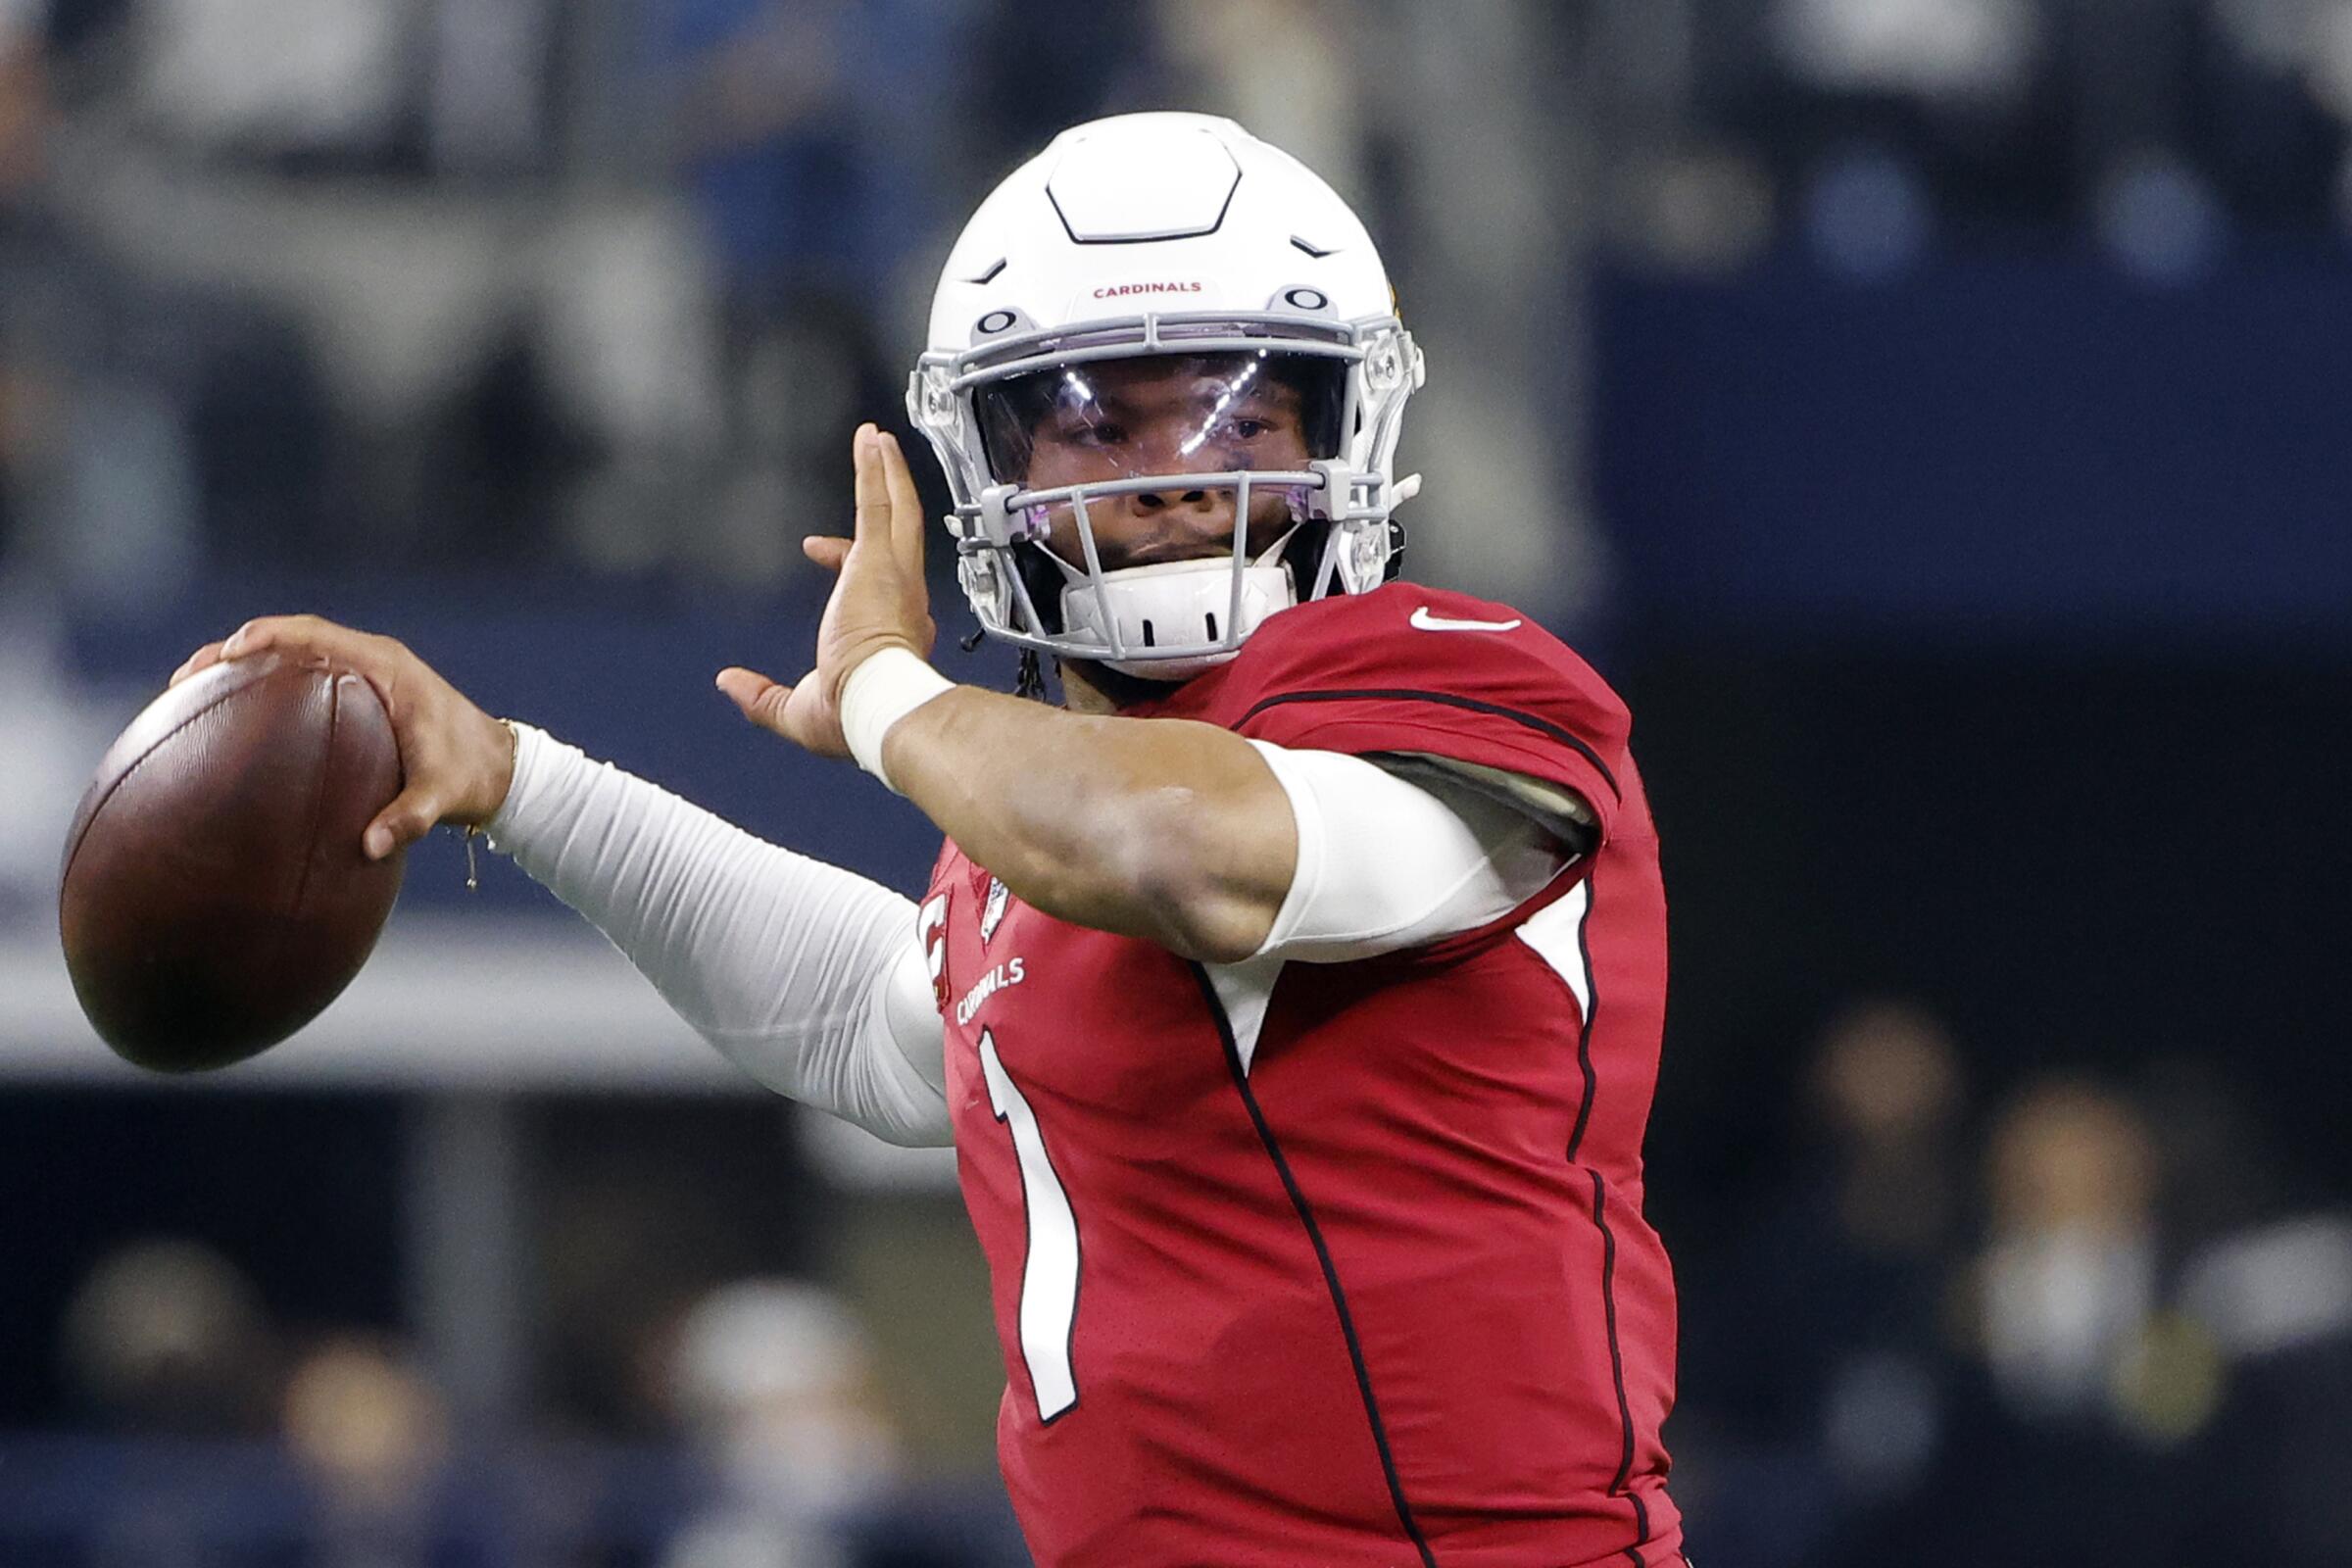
[[1292, 992]]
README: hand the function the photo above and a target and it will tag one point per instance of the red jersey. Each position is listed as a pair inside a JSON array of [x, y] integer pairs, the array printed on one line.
[[1334, 1264]]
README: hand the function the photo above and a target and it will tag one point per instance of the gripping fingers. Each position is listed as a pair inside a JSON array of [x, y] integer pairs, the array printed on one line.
[[297, 634], [202, 658], [406, 819], [273, 631], [314, 636]]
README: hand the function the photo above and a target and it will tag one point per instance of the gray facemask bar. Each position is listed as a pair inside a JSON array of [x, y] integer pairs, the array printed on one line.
[[1334, 492]]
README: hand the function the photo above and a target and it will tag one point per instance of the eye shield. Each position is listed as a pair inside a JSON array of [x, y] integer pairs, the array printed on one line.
[[1185, 413]]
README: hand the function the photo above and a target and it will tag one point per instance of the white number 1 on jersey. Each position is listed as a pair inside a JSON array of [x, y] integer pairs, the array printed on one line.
[[1050, 1277]]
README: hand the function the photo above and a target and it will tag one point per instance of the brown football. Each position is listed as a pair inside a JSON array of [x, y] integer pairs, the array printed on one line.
[[214, 897]]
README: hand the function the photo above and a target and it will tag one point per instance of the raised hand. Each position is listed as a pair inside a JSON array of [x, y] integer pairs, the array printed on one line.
[[879, 602], [458, 761]]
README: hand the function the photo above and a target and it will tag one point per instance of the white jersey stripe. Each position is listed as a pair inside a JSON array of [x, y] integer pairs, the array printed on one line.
[[1245, 989], [1556, 933], [1050, 1276]]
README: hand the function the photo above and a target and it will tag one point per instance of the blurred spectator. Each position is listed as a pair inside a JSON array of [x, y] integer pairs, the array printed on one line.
[[490, 99], [817, 194], [1967, 98], [133, 410], [289, 80], [373, 1436], [2270, 89], [458, 87], [24, 96], [2275, 1465], [25, 113], [2050, 1452], [1847, 1272], [170, 1337], [2266, 1285], [764, 128], [1955, 51], [792, 1458], [647, 1209], [773, 1382], [1290, 69], [2068, 1279], [53, 732]]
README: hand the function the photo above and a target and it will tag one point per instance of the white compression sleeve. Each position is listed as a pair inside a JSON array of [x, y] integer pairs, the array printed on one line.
[[1386, 864], [806, 976]]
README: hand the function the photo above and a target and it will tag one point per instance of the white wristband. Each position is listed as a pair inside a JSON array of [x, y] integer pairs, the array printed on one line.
[[881, 691]]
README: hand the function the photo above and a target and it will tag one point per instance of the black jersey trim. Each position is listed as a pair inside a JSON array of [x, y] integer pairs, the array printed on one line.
[[1534, 722], [1331, 1273], [1625, 1409], [1591, 1008]]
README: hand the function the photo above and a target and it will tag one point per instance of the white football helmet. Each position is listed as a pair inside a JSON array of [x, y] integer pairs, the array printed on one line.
[[1165, 236]]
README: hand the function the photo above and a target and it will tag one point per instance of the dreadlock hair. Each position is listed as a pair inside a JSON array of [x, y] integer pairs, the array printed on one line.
[[1029, 681]]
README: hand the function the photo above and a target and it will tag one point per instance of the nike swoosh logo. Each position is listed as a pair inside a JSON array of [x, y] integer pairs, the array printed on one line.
[[1423, 620]]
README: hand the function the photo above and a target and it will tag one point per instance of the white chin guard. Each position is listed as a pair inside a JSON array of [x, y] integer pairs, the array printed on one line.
[[1174, 619]]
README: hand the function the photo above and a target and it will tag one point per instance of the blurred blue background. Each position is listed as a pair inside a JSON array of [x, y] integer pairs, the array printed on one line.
[[1929, 412]]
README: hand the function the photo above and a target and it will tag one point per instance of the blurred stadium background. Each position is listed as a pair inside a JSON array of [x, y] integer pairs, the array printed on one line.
[[1930, 413]]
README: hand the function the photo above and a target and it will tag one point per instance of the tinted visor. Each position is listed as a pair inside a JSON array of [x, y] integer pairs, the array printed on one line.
[[1162, 414]]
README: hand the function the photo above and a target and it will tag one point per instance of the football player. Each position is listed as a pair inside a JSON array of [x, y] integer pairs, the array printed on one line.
[[1292, 992]]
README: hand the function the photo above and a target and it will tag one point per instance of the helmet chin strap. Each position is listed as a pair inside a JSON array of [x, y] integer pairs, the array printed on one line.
[[1175, 603]]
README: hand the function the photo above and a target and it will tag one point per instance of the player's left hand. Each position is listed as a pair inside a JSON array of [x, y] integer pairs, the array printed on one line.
[[880, 602]]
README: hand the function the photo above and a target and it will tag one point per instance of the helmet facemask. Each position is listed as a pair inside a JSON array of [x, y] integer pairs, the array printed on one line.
[[1104, 484], [1131, 474]]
